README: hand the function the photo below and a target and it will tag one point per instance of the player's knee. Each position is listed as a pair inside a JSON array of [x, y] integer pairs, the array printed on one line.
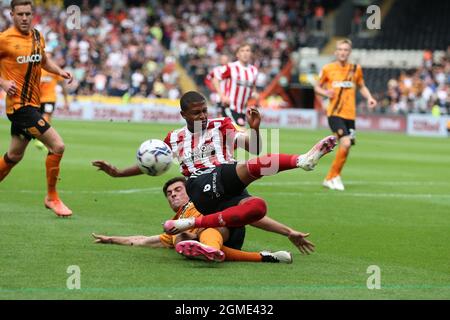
[[345, 143], [58, 148], [15, 157], [259, 207]]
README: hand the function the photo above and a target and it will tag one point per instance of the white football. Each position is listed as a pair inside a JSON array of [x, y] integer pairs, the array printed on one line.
[[154, 157]]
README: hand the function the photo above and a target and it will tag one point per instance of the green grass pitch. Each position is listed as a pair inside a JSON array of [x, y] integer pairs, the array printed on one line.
[[394, 214]]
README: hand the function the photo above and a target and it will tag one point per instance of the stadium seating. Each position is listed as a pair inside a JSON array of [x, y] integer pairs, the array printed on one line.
[[412, 24]]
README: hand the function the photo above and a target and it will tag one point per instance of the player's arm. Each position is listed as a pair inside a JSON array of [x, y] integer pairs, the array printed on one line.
[[50, 66], [9, 86], [319, 87], [323, 92], [296, 237], [255, 93], [216, 83], [137, 241], [115, 172], [65, 94], [253, 143], [365, 92]]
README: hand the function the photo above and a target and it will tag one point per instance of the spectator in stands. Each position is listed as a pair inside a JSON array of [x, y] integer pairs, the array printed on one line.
[[422, 90], [118, 46]]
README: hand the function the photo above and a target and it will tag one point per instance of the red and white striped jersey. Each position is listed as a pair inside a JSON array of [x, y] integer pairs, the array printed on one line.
[[240, 85], [210, 148], [215, 73]]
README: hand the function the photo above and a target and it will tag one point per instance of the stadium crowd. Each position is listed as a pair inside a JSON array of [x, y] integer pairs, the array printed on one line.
[[116, 52], [132, 50], [422, 90], [199, 33]]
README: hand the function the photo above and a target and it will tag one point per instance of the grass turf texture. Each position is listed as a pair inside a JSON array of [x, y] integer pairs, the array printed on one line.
[[394, 214]]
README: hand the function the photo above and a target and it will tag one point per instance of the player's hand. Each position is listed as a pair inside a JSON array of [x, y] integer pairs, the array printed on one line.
[[372, 103], [9, 87], [108, 168], [298, 239], [67, 75], [101, 239], [330, 94], [253, 118]]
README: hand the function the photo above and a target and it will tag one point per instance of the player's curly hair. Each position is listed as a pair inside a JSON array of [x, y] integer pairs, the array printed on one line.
[[15, 3], [171, 182], [191, 97]]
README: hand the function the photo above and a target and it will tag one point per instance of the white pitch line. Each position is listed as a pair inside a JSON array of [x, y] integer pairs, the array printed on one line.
[[325, 193], [362, 194], [351, 182], [126, 191]]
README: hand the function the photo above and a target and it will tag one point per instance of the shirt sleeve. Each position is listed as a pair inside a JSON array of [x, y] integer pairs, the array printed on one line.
[[166, 240], [359, 76], [167, 140], [223, 72], [323, 77], [2, 45], [230, 132], [42, 41]]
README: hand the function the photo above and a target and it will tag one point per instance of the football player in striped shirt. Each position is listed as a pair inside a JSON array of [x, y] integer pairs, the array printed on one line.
[[210, 245], [216, 182], [238, 81]]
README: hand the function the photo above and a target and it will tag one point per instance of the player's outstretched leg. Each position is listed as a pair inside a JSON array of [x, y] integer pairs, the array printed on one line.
[[248, 211], [271, 164]]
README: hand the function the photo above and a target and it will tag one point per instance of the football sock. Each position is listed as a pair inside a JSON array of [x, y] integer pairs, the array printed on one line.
[[237, 216], [238, 255], [338, 163], [52, 165], [271, 164], [211, 237], [6, 165]]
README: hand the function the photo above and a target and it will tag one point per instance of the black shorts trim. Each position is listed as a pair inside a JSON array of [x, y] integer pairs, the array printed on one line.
[[28, 123], [342, 127]]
